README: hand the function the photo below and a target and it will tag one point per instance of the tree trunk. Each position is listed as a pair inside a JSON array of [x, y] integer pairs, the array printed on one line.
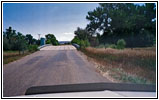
[[23, 52]]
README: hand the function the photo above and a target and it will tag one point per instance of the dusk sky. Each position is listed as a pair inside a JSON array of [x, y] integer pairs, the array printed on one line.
[[42, 18]]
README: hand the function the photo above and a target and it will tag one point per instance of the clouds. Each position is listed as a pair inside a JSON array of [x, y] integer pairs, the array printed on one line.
[[69, 33], [68, 36], [60, 19]]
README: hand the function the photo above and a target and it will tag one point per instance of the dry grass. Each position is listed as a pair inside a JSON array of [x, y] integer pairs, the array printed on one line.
[[9, 56], [129, 65]]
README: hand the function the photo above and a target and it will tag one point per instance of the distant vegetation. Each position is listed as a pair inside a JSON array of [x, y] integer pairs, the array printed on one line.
[[51, 39], [17, 45], [13, 41], [111, 22], [81, 37]]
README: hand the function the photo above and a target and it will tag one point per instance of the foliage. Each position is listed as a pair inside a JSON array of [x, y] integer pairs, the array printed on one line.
[[112, 46], [82, 43], [87, 44], [6, 45], [101, 46], [124, 20], [76, 40], [121, 44], [13, 40], [81, 37], [51, 39], [17, 41], [29, 38], [33, 48]]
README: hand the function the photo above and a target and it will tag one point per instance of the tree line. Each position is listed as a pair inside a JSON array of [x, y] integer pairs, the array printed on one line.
[[16, 41], [13, 40], [110, 22]]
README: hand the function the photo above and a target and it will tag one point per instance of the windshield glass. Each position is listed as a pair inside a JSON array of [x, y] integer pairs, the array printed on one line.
[[49, 44]]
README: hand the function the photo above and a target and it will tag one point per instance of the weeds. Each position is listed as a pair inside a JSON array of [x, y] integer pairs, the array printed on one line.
[[128, 65], [9, 56]]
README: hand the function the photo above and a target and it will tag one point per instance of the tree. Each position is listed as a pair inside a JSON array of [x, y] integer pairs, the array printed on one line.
[[29, 38], [81, 37], [50, 38], [82, 34], [76, 40], [10, 36], [123, 20], [13, 40], [21, 42], [6, 45]]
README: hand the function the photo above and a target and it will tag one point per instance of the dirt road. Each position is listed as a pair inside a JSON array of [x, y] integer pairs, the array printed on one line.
[[49, 66]]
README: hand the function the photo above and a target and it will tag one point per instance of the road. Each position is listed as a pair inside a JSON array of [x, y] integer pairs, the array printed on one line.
[[52, 65]]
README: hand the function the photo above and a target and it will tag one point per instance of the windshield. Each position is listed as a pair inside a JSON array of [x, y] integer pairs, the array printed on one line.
[[50, 44]]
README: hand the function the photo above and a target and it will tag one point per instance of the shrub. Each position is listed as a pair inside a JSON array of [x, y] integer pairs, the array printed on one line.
[[121, 44], [87, 43], [101, 46], [32, 48], [48, 42], [76, 40], [112, 46], [6, 45], [82, 43]]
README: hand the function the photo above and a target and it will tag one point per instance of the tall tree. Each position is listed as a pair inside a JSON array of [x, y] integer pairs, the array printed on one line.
[[29, 38], [82, 34], [123, 20], [21, 42]]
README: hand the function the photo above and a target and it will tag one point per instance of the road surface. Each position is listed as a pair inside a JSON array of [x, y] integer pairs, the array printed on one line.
[[52, 65]]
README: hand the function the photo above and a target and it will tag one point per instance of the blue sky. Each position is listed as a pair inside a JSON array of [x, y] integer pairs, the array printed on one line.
[[42, 18]]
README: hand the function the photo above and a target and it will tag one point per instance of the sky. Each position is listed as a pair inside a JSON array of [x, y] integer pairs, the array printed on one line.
[[60, 19]]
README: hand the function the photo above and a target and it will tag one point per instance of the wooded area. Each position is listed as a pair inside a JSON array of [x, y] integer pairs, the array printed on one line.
[[16, 41], [110, 22]]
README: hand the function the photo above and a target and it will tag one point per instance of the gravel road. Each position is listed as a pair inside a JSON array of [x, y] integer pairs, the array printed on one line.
[[52, 65]]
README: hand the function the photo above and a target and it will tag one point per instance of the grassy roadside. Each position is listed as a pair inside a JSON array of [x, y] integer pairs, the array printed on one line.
[[10, 56], [129, 65]]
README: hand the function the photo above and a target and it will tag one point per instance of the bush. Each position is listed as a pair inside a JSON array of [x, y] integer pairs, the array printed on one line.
[[107, 46], [101, 46], [82, 43], [86, 42], [121, 44], [48, 42], [32, 48], [112, 46], [6, 45], [76, 40]]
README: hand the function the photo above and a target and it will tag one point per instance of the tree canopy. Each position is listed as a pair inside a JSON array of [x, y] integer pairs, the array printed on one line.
[[123, 20], [51, 39], [13, 40]]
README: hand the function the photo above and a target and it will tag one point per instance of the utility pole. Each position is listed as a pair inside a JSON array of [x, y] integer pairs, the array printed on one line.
[[39, 36]]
